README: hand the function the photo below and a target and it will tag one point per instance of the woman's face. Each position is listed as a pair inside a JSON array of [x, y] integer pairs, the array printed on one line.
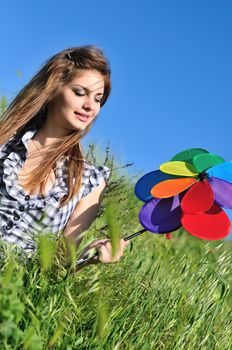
[[76, 104]]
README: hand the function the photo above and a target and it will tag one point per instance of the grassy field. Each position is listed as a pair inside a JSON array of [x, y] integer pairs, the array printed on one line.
[[163, 294]]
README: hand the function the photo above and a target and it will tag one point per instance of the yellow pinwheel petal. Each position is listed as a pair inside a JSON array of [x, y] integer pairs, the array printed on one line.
[[178, 168]]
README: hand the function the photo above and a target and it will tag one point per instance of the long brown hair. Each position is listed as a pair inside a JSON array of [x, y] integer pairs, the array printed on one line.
[[29, 105]]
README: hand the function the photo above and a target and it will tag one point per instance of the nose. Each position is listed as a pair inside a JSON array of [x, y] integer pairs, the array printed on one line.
[[88, 104]]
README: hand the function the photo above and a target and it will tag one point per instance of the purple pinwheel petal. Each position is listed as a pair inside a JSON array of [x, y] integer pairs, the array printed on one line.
[[222, 191], [161, 215]]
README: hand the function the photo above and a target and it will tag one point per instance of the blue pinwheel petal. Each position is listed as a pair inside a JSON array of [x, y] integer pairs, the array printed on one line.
[[147, 182], [161, 215], [221, 171]]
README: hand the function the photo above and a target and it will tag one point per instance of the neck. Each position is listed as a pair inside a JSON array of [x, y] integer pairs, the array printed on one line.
[[49, 133]]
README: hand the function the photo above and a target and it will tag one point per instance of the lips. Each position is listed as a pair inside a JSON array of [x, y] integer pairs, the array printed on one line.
[[81, 116]]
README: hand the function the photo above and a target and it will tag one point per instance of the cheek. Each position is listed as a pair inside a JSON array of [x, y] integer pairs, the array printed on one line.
[[59, 103], [67, 99], [97, 110]]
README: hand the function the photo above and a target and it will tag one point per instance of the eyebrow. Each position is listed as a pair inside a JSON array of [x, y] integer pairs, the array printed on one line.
[[87, 90]]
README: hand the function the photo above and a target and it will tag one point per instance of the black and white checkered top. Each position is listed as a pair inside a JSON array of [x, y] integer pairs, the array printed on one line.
[[23, 216]]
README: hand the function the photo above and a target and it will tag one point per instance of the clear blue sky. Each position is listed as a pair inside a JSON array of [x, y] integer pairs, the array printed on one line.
[[171, 68]]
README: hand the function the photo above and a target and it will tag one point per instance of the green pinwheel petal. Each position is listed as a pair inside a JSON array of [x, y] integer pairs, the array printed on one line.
[[189, 154], [205, 161]]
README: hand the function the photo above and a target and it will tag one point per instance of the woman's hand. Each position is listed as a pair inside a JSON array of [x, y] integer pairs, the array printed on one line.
[[104, 248]]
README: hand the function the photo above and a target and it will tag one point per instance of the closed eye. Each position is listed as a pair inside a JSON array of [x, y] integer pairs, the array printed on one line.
[[99, 100], [80, 93]]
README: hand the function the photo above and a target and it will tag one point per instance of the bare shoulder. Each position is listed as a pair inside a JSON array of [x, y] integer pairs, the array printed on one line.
[[95, 194]]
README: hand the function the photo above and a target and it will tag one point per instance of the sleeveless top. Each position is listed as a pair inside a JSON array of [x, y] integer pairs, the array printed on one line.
[[22, 216]]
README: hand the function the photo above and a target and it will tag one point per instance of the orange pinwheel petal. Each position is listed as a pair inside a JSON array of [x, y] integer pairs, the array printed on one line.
[[172, 187]]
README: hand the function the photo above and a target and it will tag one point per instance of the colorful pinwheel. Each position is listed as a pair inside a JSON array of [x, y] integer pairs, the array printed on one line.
[[190, 191]]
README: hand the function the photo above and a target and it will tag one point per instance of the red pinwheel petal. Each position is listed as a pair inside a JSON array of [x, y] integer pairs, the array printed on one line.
[[212, 225], [198, 199]]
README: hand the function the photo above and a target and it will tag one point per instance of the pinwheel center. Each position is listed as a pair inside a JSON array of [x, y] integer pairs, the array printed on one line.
[[202, 176]]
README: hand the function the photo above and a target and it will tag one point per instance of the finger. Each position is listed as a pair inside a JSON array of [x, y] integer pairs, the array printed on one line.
[[104, 248], [106, 254], [91, 246], [123, 245], [120, 248], [96, 243], [103, 253]]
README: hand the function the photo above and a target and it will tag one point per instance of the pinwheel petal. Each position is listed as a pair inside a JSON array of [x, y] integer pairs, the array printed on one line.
[[212, 225], [189, 154], [205, 161], [198, 199], [222, 191], [161, 215], [221, 171], [179, 168], [170, 188], [144, 184]]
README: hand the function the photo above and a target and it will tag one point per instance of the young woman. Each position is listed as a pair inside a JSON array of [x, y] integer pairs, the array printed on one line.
[[47, 186]]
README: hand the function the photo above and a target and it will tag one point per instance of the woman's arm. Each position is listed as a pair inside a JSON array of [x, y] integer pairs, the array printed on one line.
[[84, 214], [81, 219]]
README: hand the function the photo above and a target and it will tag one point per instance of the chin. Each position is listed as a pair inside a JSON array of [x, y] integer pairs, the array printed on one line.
[[77, 126]]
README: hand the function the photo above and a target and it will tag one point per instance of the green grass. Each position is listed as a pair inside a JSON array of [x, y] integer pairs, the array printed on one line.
[[163, 294]]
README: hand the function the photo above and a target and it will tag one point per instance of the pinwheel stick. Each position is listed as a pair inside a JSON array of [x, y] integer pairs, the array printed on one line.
[[87, 257]]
